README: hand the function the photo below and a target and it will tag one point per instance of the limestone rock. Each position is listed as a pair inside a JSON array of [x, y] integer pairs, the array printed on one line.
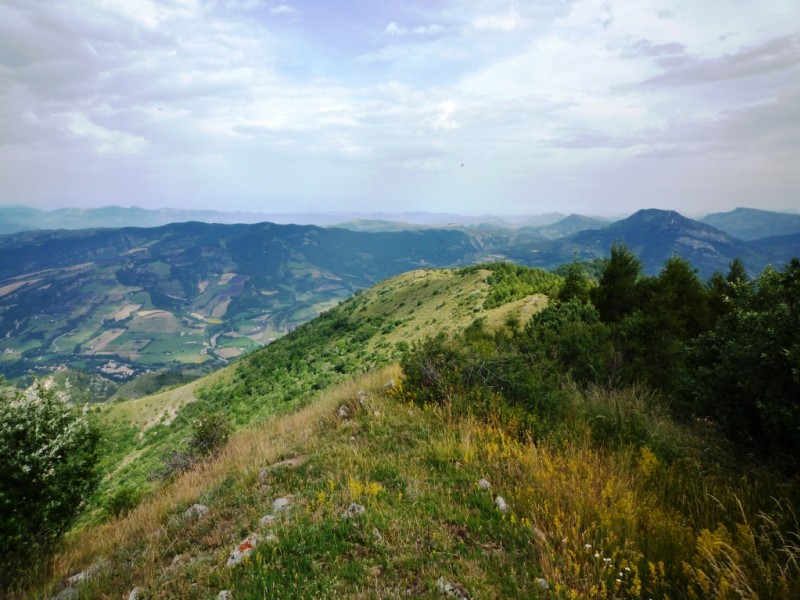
[[225, 595], [196, 511], [281, 504], [542, 583], [137, 593], [454, 590], [353, 511], [66, 594], [79, 578], [501, 504], [243, 550], [483, 484], [344, 412], [289, 463]]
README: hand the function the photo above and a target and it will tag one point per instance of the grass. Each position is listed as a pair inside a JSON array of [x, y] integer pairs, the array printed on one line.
[[590, 521]]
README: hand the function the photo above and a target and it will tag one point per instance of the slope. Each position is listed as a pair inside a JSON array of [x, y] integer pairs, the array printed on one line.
[[369, 331], [124, 301]]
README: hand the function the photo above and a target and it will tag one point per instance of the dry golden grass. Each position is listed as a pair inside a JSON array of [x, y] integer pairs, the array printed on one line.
[[245, 453]]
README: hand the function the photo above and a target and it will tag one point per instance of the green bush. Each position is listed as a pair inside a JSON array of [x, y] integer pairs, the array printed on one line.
[[123, 500], [209, 434], [48, 454]]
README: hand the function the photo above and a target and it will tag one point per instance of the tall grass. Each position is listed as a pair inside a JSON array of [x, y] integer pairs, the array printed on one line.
[[635, 511]]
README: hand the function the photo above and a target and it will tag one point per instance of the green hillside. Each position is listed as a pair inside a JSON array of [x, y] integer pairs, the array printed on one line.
[[509, 433]]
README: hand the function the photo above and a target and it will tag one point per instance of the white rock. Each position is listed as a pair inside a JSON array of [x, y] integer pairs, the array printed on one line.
[[376, 534], [66, 594], [225, 595], [501, 504], [196, 511], [289, 463], [79, 578], [455, 590], [353, 511], [542, 583], [137, 593], [280, 504], [483, 484], [246, 547], [343, 412]]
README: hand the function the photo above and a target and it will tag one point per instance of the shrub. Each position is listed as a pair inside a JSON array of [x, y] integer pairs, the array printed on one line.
[[209, 434], [48, 454]]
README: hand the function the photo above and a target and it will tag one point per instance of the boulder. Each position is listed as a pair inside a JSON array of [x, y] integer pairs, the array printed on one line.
[[246, 547], [282, 504], [137, 593]]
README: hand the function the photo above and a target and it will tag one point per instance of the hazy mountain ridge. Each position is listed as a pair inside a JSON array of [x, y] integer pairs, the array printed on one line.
[[198, 293], [655, 236], [752, 224]]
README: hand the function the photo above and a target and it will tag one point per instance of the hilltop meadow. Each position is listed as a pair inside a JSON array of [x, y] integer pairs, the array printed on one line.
[[495, 431]]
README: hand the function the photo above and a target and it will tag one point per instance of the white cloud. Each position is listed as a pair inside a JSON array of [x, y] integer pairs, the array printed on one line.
[[284, 9], [508, 22], [106, 141], [394, 29]]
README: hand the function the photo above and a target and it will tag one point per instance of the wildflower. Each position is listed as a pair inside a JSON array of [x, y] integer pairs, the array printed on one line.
[[587, 546], [597, 555]]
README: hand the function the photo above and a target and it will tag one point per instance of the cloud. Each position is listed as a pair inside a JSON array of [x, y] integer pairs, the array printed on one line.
[[107, 141], [507, 22], [394, 29], [776, 55], [284, 9]]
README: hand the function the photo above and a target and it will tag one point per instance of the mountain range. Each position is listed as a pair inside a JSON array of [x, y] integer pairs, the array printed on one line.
[[127, 300]]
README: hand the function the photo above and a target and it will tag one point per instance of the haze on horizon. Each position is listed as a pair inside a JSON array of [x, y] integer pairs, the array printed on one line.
[[461, 106]]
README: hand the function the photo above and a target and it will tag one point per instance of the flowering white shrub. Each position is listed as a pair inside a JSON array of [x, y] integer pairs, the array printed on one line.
[[48, 453]]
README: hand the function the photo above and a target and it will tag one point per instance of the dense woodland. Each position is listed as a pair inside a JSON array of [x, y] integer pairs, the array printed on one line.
[[726, 350]]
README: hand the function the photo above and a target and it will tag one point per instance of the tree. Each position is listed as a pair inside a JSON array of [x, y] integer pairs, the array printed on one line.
[[746, 370], [618, 293], [576, 284], [48, 454]]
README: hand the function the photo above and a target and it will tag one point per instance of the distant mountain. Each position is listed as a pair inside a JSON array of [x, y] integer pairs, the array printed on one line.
[[779, 249], [566, 226], [377, 225], [655, 236], [189, 292], [126, 300], [752, 223], [14, 219]]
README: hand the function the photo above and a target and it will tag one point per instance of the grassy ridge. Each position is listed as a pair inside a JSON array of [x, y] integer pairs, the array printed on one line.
[[366, 332], [607, 495], [587, 522]]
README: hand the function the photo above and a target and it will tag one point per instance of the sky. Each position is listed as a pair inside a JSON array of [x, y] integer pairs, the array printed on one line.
[[473, 107]]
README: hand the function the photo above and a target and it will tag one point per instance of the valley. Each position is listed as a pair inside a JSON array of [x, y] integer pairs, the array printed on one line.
[[193, 296]]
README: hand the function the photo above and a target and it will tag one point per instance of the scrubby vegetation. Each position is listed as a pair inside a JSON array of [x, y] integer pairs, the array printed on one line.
[[608, 421], [48, 454]]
